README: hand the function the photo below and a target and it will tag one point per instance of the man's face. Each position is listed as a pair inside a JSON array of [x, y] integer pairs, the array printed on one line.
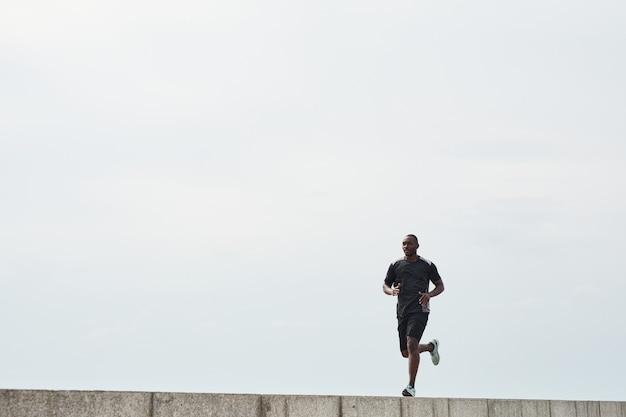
[[409, 246]]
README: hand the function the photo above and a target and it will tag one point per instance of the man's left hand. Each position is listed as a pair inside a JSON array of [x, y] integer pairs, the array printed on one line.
[[424, 297]]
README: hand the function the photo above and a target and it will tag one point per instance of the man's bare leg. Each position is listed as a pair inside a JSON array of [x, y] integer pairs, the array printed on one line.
[[413, 346], [428, 347], [412, 352]]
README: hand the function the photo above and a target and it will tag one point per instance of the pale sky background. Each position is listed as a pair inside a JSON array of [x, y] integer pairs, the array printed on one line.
[[205, 196]]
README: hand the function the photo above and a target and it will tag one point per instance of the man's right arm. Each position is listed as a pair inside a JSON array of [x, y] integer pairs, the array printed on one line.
[[389, 280], [391, 290]]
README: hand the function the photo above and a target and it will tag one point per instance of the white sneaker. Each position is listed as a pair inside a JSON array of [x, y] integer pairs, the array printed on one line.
[[434, 355], [409, 391]]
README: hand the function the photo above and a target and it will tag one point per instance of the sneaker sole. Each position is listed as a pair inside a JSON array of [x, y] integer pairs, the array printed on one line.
[[436, 360]]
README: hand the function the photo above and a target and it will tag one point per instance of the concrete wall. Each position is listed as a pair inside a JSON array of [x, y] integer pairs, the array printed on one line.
[[21, 403]]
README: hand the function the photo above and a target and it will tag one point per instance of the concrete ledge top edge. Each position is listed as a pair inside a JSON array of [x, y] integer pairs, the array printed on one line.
[[77, 391]]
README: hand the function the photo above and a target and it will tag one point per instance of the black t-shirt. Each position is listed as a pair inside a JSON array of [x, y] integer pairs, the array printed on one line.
[[414, 278]]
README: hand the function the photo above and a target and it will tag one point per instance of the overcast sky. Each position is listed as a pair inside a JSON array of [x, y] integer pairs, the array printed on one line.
[[205, 196]]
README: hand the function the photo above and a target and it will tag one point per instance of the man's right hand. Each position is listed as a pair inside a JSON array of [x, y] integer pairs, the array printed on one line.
[[395, 290]]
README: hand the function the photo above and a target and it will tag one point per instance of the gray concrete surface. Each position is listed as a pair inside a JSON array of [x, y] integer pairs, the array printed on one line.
[[74, 404], [32, 403]]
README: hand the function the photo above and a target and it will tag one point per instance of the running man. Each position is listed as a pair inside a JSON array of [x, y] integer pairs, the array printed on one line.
[[408, 278]]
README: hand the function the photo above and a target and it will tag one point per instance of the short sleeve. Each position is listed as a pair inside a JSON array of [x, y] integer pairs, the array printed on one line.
[[434, 274], [391, 276]]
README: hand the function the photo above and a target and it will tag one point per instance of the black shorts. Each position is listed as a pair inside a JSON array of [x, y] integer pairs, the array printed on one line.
[[412, 325]]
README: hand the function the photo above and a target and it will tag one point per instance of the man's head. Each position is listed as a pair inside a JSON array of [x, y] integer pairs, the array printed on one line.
[[410, 245]]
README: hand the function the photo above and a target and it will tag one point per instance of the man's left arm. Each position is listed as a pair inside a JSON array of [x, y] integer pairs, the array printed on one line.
[[425, 296], [439, 287]]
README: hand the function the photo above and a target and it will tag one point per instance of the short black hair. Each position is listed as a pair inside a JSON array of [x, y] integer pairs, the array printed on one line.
[[414, 237]]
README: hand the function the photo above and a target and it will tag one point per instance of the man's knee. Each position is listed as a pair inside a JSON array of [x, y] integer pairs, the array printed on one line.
[[405, 353], [413, 345]]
